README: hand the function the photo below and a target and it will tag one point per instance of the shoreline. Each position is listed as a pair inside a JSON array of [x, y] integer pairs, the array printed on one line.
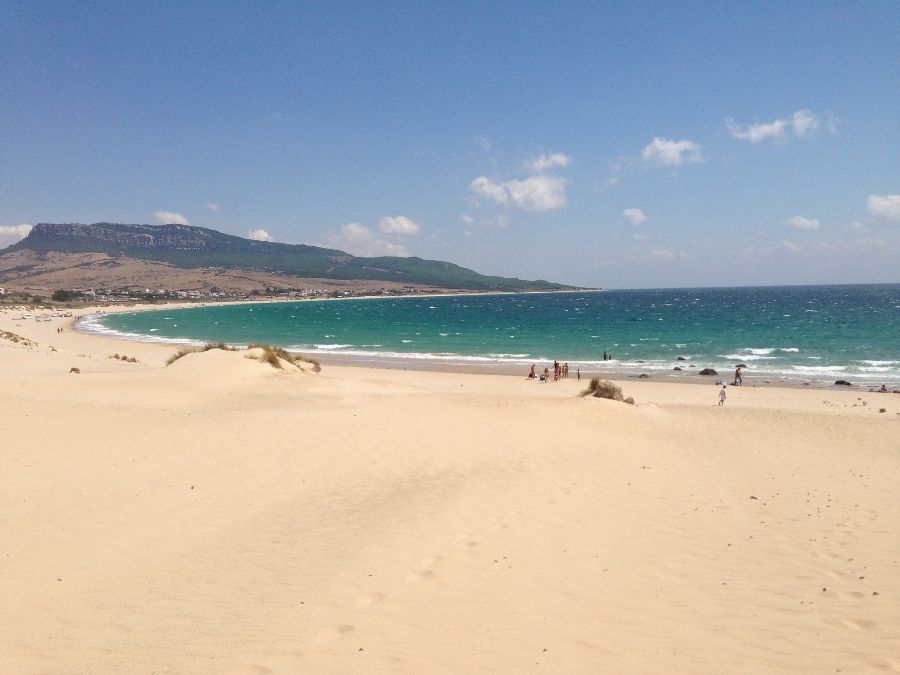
[[463, 364]]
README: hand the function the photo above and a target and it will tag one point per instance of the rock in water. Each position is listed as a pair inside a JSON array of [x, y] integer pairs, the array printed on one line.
[[708, 371], [843, 383]]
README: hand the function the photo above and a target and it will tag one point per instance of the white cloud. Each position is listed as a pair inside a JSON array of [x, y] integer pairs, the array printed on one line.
[[213, 206], [791, 246], [661, 254], [856, 228], [359, 240], [535, 193], [756, 133], [259, 235], [804, 123], [612, 182], [466, 218], [484, 143], [400, 226], [884, 206], [640, 237], [10, 234], [801, 124], [170, 217], [485, 187], [666, 152], [801, 223], [544, 161], [634, 216]]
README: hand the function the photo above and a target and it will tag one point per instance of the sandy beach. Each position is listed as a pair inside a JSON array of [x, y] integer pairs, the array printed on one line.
[[222, 516]]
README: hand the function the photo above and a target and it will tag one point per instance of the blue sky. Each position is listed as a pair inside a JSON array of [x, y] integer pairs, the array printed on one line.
[[615, 145]]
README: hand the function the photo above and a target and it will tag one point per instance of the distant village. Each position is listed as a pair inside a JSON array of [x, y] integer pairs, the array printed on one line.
[[109, 296]]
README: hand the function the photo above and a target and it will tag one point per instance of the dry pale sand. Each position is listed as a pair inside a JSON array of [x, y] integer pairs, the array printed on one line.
[[220, 516]]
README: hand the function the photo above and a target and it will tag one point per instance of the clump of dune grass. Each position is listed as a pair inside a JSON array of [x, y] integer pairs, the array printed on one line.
[[123, 357], [184, 351], [16, 339], [603, 389], [275, 355]]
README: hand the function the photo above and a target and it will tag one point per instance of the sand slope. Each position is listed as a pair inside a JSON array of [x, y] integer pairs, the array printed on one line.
[[221, 516]]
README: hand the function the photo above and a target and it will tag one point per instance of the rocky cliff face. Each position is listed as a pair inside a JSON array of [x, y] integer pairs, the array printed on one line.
[[177, 237]]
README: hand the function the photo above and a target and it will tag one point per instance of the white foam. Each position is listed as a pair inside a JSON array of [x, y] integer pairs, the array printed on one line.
[[335, 346], [819, 369]]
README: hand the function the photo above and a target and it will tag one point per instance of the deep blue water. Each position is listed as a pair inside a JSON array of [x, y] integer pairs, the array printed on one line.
[[819, 333]]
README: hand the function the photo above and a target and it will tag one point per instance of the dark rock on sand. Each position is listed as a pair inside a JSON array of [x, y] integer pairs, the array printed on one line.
[[643, 376], [708, 371], [75, 370], [842, 383], [676, 368]]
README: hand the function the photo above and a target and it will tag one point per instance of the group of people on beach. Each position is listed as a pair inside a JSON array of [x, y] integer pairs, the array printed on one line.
[[560, 372]]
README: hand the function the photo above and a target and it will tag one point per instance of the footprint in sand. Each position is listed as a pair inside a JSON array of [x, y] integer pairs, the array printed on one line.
[[856, 625], [851, 595], [419, 575], [368, 599], [249, 670], [334, 633]]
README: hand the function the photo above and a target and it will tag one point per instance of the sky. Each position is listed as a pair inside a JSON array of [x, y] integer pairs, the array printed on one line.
[[616, 145]]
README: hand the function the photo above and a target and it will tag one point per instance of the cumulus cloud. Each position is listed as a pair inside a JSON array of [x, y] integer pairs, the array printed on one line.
[[801, 124], [170, 217], [400, 226], [666, 152], [801, 223], [544, 161], [804, 123], [10, 234], [884, 206], [213, 206], [259, 235], [535, 193], [634, 216], [359, 240]]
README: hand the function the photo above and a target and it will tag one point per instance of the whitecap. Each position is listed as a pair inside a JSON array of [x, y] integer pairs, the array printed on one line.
[[336, 346]]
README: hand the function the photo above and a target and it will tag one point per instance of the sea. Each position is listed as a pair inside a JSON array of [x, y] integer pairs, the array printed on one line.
[[794, 334]]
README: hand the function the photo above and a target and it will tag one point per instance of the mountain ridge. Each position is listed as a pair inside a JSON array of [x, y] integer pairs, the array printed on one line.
[[193, 247]]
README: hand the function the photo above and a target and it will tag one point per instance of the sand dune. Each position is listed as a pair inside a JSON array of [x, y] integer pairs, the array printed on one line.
[[221, 516]]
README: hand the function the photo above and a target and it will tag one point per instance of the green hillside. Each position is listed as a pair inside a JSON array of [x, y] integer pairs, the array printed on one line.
[[194, 247]]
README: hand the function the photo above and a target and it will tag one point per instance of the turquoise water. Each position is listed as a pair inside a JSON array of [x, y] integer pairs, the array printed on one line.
[[819, 333]]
